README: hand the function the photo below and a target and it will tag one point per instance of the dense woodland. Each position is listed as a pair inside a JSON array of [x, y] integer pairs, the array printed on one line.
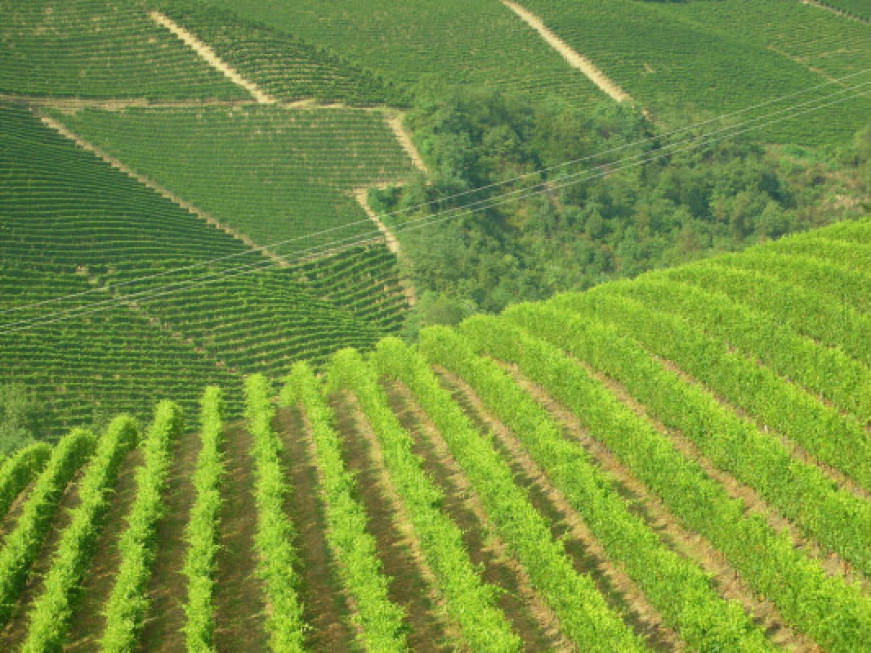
[[651, 204]]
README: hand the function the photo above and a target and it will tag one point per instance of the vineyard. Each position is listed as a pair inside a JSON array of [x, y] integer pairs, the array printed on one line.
[[678, 461]]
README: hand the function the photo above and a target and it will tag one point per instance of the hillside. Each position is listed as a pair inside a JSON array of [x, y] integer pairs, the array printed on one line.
[[678, 461]]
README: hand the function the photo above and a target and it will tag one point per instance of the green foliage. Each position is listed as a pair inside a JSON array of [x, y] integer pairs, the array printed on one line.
[[678, 588], [127, 604], [806, 596], [274, 537], [22, 545], [584, 616], [570, 226], [20, 414], [469, 602], [837, 519], [99, 48], [274, 173], [380, 622], [201, 531], [19, 470], [49, 616], [428, 46]]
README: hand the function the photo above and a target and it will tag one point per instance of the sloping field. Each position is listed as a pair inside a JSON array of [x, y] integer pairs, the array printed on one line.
[[675, 462], [99, 48], [452, 42], [284, 65], [278, 175], [149, 288], [691, 60]]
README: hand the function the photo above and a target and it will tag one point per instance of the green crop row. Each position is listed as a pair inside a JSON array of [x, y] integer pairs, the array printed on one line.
[[805, 312], [380, 622], [49, 616], [469, 602], [584, 615], [835, 250], [274, 537], [127, 604], [799, 491], [23, 544], [834, 613], [18, 470], [829, 372], [201, 531], [675, 586], [823, 432]]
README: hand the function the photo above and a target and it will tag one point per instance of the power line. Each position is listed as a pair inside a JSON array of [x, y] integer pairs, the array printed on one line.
[[330, 244], [425, 221]]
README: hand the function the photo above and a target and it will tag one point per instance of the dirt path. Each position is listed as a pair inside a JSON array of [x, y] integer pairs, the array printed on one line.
[[160, 190], [8, 521], [532, 619], [835, 10], [390, 240], [210, 57], [70, 104], [16, 628], [686, 543], [87, 623], [239, 597], [412, 582], [574, 59], [394, 121], [325, 607], [167, 587], [566, 521]]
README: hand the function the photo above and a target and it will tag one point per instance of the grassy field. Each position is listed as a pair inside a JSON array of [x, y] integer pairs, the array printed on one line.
[[650, 464]]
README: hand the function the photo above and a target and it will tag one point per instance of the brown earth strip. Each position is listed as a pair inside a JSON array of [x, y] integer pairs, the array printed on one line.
[[830, 562], [7, 523], [412, 582], [689, 544], [16, 629], [167, 587], [834, 10], [532, 619], [645, 618], [325, 607], [239, 597], [87, 623]]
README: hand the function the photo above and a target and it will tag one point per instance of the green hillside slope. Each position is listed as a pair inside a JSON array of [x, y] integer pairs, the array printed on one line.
[[678, 461]]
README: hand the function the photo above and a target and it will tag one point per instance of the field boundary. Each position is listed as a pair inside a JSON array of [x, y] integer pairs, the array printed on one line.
[[207, 54], [574, 59], [834, 10], [163, 192]]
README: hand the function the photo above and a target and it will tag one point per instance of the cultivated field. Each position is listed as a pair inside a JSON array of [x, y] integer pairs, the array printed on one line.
[[679, 461]]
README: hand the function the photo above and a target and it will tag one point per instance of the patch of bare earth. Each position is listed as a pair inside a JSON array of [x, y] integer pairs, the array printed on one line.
[[412, 584], [644, 617], [239, 598], [688, 544], [15, 630], [530, 616], [167, 587], [834, 10], [87, 623], [325, 607], [402, 136]]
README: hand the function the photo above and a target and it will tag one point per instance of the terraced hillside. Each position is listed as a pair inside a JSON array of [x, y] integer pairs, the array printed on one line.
[[675, 462], [114, 296]]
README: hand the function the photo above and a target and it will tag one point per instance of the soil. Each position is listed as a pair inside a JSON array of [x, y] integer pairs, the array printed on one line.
[[530, 616], [167, 587], [325, 608], [10, 519], [87, 623], [239, 604], [412, 584], [586, 552], [395, 124]]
